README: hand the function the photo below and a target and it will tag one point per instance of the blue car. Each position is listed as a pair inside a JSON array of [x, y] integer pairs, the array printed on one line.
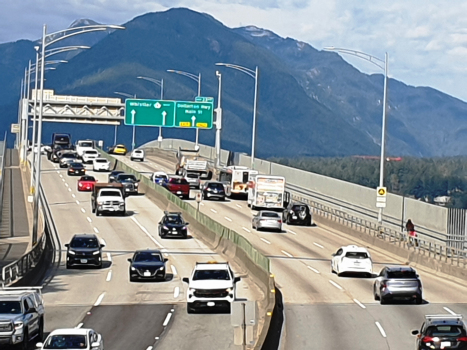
[[159, 177]]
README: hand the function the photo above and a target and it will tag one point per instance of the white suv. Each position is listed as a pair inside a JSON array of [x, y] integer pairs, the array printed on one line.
[[89, 155], [211, 284], [352, 259], [137, 154], [100, 164]]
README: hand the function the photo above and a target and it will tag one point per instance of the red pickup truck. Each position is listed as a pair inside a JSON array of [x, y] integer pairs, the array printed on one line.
[[178, 186]]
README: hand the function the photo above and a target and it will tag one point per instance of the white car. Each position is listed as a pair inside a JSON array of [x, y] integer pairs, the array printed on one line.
[[89, 155], [84, 145], [100, 164], [73, 338], [352, 259], [137, 154], [159, 177]]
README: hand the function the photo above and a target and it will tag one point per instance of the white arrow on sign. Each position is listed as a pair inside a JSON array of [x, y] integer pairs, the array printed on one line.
[[164, 115], [133, 112], [193, 119]]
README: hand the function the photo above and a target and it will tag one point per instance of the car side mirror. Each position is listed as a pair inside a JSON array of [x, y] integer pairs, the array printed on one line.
[[415, 332], [333, 254], [165, 259], [67, 245], [95, 345], [186, 279], [31, 310], [237, 279], [187, 223], [138, 180], [102, 245], [129, 259]]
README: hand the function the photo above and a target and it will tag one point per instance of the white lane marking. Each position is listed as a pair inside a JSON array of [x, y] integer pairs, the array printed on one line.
[[99, 300], [73, 195], [109, 257], [245, 229], [202, 204], [77, 201], [228, 219], [167, 319], [318, 245], [60, 174], [147, 233], [294, 233], [89, 219], [82, 209], [176, 292], [109, 276], [381, 330], [449, 310], [336, 285], [359, 304], [79, 325], [238, 205], [312, 269], [174, 270], [66, 184], [96, 230], [63, 180], [288, 254], [265, 241], [69, 189], [150, 347], [214, 210]]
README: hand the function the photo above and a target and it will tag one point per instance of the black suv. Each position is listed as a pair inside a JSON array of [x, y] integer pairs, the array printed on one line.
[[213, 189], [114, 174], [84, 250], [297, 213], [173, 225], [129, 182], [442, 332], [147, 265]]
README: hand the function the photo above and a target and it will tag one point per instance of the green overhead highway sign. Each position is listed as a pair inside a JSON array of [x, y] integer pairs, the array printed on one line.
[[179, 114], [204, 99]]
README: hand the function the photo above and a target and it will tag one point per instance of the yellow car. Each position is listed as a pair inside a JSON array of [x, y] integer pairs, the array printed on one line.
[[118, 149]]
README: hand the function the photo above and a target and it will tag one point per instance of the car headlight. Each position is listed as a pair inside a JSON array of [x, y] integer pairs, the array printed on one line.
[[229, 290], [100, 202], [71, 252], [162, 268], [191, 290], [132, 268], [208, 189], [165, 227], [96, 252], [184, 228], [18, 325], [136, 184]]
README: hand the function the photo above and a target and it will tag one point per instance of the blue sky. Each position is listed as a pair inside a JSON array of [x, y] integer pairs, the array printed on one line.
[[426, 40]]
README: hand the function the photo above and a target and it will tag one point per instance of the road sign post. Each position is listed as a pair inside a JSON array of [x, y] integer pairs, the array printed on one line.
[[381, 197]]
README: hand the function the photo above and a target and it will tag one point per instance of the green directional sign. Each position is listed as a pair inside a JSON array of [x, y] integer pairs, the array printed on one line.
[[150, 112], [194, 115], [204, 99]]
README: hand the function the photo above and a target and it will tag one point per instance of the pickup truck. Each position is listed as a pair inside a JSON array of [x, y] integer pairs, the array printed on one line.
[[108, 198], [21, 316], [178, 186], [84, 145], [129, 181]]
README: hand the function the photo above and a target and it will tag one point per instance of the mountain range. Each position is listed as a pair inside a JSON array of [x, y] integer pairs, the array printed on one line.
[[310, 102]]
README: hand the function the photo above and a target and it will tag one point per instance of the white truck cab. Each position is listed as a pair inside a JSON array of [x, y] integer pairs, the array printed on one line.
[[84, 145], [211, 284]]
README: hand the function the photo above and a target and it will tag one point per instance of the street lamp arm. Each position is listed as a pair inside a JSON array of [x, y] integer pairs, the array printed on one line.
[[79, 30], [155, 81], [57, 50], [33, 66], [245, 70], [124, 94], [189, 75], [359, 54]]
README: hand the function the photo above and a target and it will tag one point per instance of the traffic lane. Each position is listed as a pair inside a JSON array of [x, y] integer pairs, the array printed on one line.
[[126, 327]]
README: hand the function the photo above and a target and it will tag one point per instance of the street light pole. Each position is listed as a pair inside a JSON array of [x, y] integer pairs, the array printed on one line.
[[161, 84], [383, 64], [254, 74], [218, 120]]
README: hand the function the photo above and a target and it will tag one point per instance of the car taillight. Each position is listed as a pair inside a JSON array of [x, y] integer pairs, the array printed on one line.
[[383, 286], [280, 221], [427, 339], [462, 339]]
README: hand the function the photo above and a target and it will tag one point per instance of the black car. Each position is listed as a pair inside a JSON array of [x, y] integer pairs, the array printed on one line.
[[84, 250], [213, 189], [114, 174], [173, 225], [147, 265], [54, 153], [442, 332], [76, 169], [129, 182], [297, 213], [65, 158]]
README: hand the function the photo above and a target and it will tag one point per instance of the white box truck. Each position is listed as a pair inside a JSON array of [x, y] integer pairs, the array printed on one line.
[[266, 191]]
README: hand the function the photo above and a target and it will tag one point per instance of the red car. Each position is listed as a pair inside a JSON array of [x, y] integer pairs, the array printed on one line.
[[86, 183], [178, 186]]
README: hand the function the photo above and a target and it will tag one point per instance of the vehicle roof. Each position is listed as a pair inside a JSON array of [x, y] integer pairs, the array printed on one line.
[[101, 158], [213, 182], [138, 150], [74, 164], [211, 266], [117, 172], [159, 173], [120, 145], [13, 296], [87, 178], [125, 174], [148, 251], [437, 320], [400, 268], [84, 235], [70, 331], [354, 248], [298, 203], [172, 213]]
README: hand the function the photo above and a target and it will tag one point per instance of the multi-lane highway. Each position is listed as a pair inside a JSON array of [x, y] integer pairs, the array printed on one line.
[[322, 310], [129, 315]]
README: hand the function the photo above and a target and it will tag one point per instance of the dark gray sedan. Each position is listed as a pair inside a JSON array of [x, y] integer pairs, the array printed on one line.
[[267, 220], [398, 282]]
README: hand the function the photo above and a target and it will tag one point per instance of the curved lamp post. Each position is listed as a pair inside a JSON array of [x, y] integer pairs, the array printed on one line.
[[254, 74], [161, 84], [47, 40], [383, 64], [196, 78], [134, 129]]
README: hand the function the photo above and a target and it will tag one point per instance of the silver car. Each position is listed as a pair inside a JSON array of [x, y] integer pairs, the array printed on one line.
[[398, 282], [267, 220], [193, 179]]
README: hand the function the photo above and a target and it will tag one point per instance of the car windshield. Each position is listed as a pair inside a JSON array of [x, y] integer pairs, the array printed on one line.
[[126, 177], [84, 242], [402, 274], [160, 176], [77, 165], [147, 257], [174, 219], [192, 175], [356, 255], [87, 178], [90, 152], [298, 208], [66, 341], [445, 331], [100, 160], [211, 275], [175, 180], [10, 307], [67, 155], [270, 215], [110, 194], [216, 186]]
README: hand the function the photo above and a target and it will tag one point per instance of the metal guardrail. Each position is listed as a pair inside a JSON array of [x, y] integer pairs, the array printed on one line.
[[16, 270], [421, 245]]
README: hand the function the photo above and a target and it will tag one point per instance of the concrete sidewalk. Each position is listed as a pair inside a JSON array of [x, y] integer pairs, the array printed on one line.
[[14, 229]]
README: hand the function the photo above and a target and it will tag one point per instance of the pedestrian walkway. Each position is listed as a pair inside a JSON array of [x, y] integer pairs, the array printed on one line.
[[15, 221]]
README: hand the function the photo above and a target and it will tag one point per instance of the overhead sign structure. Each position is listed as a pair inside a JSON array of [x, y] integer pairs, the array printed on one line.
[[381, 197], [178, 114]]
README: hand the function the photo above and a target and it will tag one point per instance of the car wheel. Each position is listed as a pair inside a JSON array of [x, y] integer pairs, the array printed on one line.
[[382, 300], [189, 309], [375, 294], [68, 266], [132, 279], [40, 333], [418, 300], [25, 343], [98, 212]]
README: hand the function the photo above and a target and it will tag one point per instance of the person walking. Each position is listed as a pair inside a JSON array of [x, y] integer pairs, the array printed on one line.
[[410, 227]]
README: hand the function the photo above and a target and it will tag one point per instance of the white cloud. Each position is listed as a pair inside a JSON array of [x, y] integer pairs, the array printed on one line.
[[426, 41]]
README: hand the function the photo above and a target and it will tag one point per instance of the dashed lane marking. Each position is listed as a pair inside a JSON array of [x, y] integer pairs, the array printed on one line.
[[238, 205], [77, 201], [359, 304], [89, 219], [381, 330], [336, 285], [214, 211], [73, 195], [174, 270], [245, 229], [449, 310], [227, 218], [312, 269], [167, 319], [292, 232], [66, 184], [288, 254], [82, 209], [99, 300], [109, 276], [176, 292], [318, 245], [69, 189], [265, 241], [79, 325], [95, 230]]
